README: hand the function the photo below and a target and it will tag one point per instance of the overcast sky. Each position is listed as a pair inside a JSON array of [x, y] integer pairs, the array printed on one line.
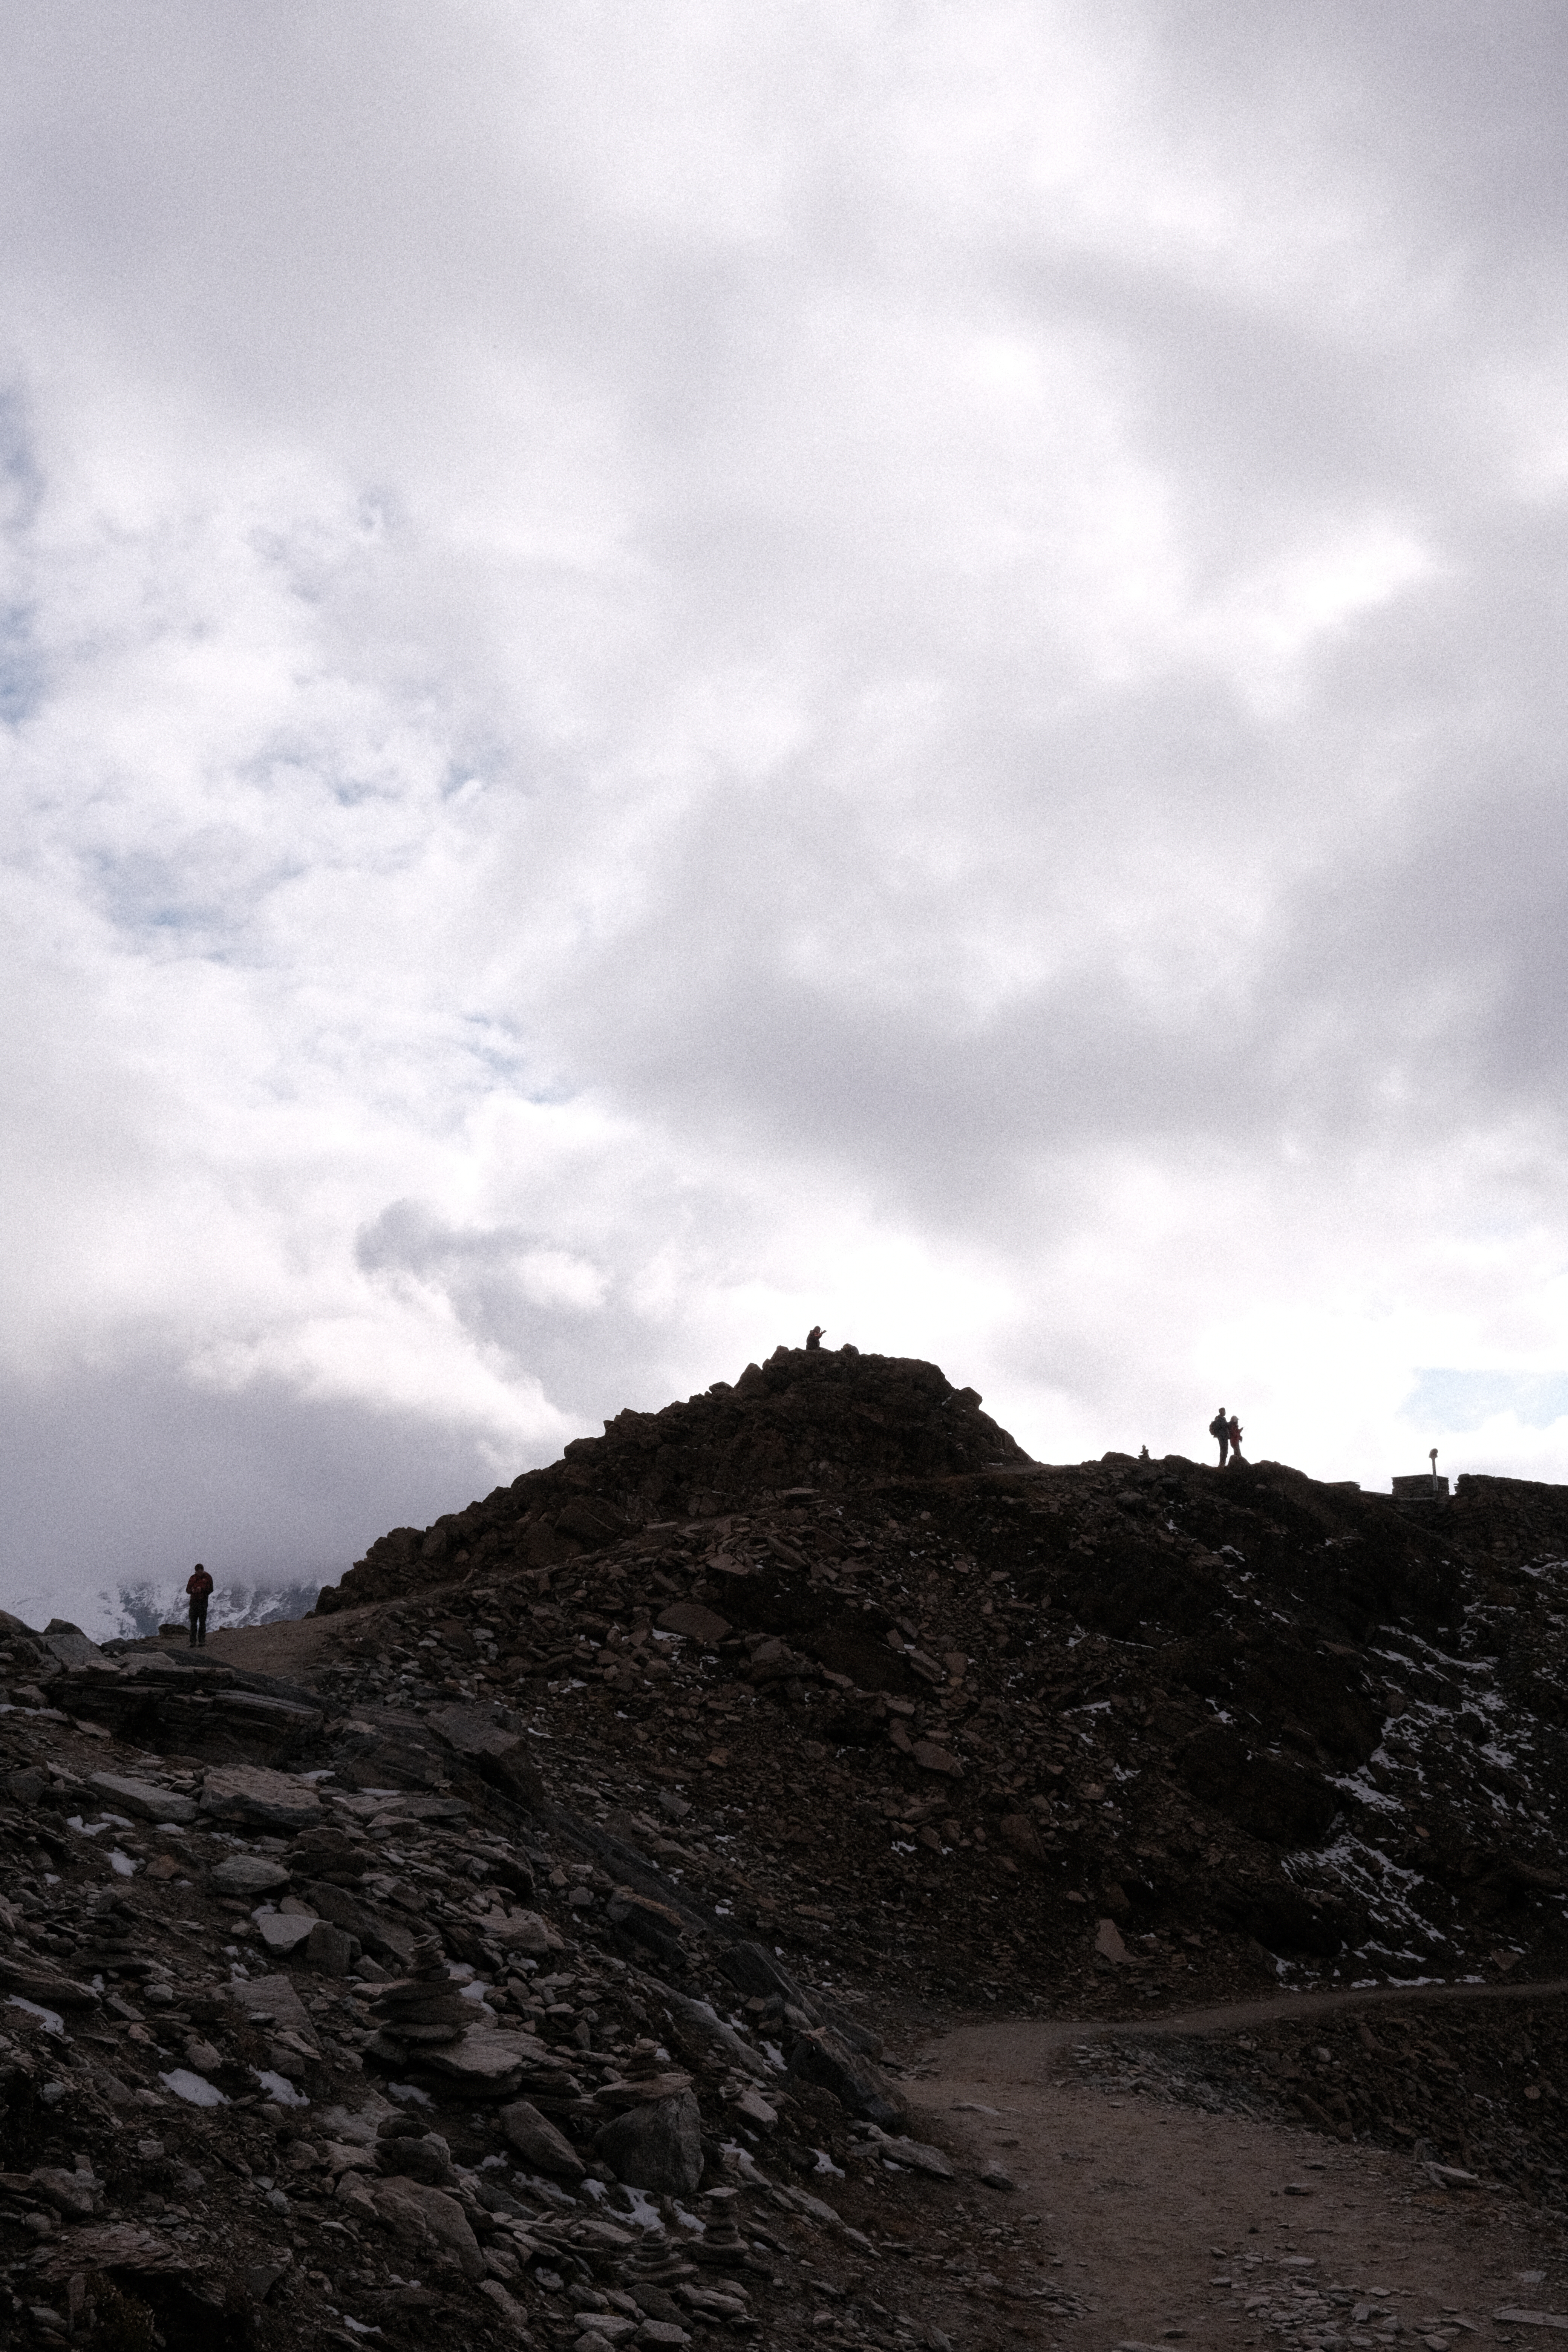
[[669, 672]]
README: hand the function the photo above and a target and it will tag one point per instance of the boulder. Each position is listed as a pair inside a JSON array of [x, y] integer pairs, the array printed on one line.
[[1018, 1830], [473, 1731], [1108, 1942], [427, 2160], [651, 1923], [330, 1950], [499, 1755], [70, 1646], [78, 2196], [538, 2144], [144, 1799], [273, 2000], [658, 2146], [824, 2057], [520, 1931], [335, 1903], [283, 1932], [327, 1853], [248, 1875], [251, 1794], [698, 1624], [752, 1969], [428, 2218]]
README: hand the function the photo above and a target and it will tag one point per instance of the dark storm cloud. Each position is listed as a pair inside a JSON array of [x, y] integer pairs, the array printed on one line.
[[127, 1475]]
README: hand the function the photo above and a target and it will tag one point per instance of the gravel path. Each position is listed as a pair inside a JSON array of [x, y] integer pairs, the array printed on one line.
[[1172, 2225]]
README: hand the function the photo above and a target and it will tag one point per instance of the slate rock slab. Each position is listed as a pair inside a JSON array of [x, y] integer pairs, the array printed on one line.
[[32, 1980], [538, 2144], [116, 2246], [248, 1875], [143, 1798], [473, 1731], [251, 1794], [487, 2063], [274, 1999], [698, 1624], [917, 2155]]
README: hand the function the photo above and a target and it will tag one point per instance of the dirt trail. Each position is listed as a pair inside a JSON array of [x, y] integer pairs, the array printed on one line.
[[292, 1647], [1272, 2007], [1166, 2222]]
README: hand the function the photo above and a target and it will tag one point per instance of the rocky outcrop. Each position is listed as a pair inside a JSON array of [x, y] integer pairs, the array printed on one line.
[[826, 1419], [501, 1957]]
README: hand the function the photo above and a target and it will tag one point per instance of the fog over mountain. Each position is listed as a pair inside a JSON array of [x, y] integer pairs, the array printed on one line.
[[665, 676]]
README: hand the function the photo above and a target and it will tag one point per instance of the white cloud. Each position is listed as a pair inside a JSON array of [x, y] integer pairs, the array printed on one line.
[[665, 680]]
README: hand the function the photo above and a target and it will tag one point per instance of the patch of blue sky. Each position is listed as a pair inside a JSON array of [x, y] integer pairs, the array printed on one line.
[[290, 762], [148, 896], [21, 672], [1448, 1398], [21, 477], [21, 490], [497, 1048]]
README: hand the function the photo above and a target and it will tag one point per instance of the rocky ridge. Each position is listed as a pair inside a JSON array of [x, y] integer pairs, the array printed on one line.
[[818, 1417], [548, 1951]]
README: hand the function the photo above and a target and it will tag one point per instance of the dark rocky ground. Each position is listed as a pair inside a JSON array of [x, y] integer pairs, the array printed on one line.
[[721, 1761]]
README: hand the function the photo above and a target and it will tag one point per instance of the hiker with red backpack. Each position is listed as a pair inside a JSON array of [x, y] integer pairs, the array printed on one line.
[[198, 1588]]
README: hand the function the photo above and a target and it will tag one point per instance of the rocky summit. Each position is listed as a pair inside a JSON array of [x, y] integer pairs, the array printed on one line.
[[546, 1942]]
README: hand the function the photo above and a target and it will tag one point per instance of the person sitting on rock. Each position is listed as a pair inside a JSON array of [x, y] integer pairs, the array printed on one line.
[[198, 1586], [1234, 1434], [1220, 1427], [814, 1337]]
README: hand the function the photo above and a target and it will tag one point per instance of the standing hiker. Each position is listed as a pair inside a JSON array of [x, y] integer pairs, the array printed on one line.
[[1220, 1427], [199, 1587]]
